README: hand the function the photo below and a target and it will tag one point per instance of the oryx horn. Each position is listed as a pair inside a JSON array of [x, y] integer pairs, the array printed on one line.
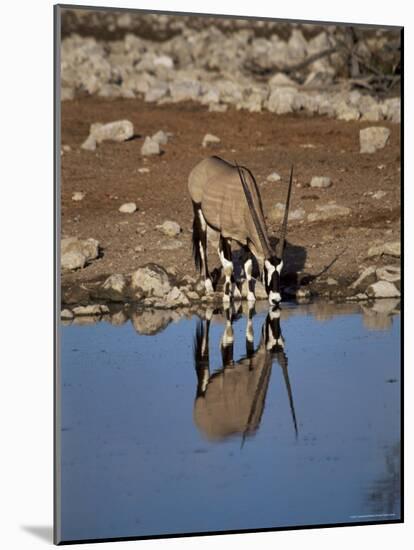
[[249, 199], [281, 243]]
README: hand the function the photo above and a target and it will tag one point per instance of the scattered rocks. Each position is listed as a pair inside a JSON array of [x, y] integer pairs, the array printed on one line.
[[176, 297], [92, 309], [78, 196], [150, 147], [89, 144], [160, 137], [210, 139], [128, 208], [114, 287], [347, 112], [75, 253], [281, 100], [192, 295], [151, 279], [219, 69], [169, 228], [67, 93], [278, 211], [367, 277], [321, 182], [389, 249], [327, 212], [303, 293], [172, 244], [390, 273], [383, 289], [119, 130], [379, 194], [273, 177], [372, 139], [66, 315]]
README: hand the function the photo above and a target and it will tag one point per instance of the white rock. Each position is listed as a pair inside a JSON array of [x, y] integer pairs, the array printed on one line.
[[170, 228], [66, 93], [274, 176], [217, 107], [115, 285], [156, 92], [74, 259], [280, 79], [185, 90], [328, 212], [173, 244], [278, 211], [368, 276], [78, 196], [209, 139], [89, 144], [150, 147], [390, 273], [93, 309], [66, 314], [119, 130], [379, 194], [164, 61], [160, 137], [152, 279], [281, 100], [76, 253], [392, 108], [176, 297], [347, 112], [128, 208], [373, 138], [389, 248], [383, 289], [320, 181]]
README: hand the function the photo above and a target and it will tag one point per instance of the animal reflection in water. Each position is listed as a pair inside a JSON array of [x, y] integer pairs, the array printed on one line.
[[231, 401]]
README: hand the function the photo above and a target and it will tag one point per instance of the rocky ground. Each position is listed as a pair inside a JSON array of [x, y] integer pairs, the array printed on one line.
[[121, 183]]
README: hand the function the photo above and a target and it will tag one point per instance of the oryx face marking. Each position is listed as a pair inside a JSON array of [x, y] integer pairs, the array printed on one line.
[[271, 279], [273, 336]]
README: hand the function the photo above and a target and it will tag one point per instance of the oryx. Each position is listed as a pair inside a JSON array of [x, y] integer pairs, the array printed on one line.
[[231, 400], [226, 199]]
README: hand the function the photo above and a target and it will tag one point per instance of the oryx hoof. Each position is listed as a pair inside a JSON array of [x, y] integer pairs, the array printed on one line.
[[251, 298], [236, 293]]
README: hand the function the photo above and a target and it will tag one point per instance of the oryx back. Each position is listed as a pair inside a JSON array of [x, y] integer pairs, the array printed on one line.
[[215, 186]]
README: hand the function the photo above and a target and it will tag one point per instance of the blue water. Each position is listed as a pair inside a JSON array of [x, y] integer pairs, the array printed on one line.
[[135, 461]]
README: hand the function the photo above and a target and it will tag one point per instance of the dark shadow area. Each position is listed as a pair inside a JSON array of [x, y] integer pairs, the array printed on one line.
[[135, 137], [43, 532]]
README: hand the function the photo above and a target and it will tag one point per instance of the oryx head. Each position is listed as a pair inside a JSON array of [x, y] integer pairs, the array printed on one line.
[[273, 261]]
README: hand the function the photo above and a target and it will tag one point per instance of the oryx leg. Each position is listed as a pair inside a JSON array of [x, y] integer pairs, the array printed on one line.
[[249, 330], [248, 268], [227, 339], [230, 287], [201, 355], [200, 246]]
